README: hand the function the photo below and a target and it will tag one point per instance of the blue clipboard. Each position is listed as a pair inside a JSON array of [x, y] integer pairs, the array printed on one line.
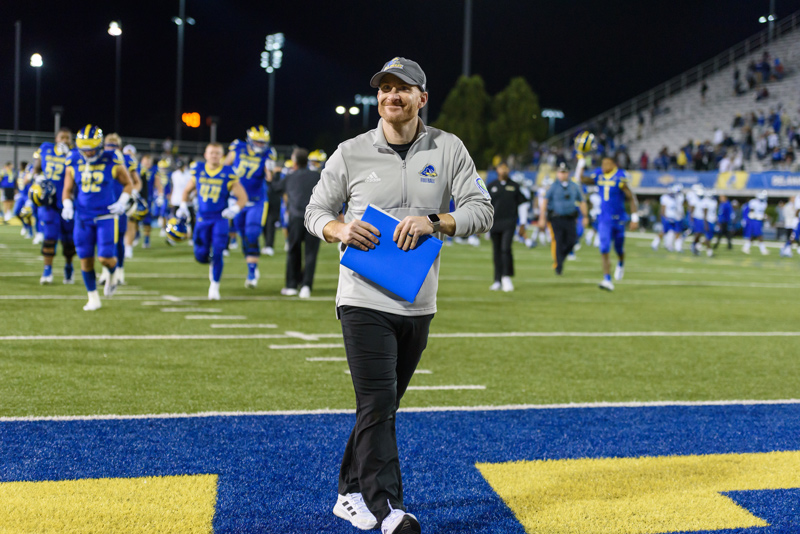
[[392, 268]]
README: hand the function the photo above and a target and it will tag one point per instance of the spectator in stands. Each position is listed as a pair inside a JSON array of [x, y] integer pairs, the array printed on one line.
[[752, 75], [738, 163], [777, 70], [747, 142], [738, 87], [719, 136], [639, 125], [761, 146], [773, 140], [644, 161], [776, 157], [762, 93], [726, 163], [764, 68], [703, 91], [738, 121]]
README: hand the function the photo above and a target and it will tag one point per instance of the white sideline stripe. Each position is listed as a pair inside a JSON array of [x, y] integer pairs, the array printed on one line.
[[443, 388], [171, 298], [331, 359], [309, 346], [161, 303], [123, 291], [244, 326], [300, 335], [180, 310], [615, 334], [293, 335], [333, 411], [216, 317]]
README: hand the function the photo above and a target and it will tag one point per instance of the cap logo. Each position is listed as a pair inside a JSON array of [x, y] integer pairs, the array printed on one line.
[[393, 64]]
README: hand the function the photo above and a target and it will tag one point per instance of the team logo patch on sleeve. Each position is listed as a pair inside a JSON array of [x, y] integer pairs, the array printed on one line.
[[482, 188], [428, 174]]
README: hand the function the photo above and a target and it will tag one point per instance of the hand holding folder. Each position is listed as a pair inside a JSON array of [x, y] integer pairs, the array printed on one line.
[[401, 272]]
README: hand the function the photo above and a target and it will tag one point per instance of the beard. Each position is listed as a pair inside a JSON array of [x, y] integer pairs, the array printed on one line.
[[394, 115]]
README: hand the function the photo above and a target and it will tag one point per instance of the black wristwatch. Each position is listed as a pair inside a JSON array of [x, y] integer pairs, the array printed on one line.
[[434, 219]]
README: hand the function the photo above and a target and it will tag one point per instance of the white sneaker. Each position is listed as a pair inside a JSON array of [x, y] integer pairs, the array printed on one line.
[[162, 232], [104, 276], [288, 292], [399, 522], [225, 253], [135, 241], [128, 252], [251, 283], [571, 257], [763, 250], [286, 247], [351, 507], [268, 251], [606, 284], [38, 238], [495, 287], [505, 283], [305, 292], [68, 281], [120, 276], [234, 245], [46, 280], [111, 286], [474, 240], [94, 302], [746, 248], [709, 252], [23, 232], [213, 291], [619, 272]]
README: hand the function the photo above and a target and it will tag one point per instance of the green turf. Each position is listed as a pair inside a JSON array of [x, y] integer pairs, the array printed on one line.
[[661, 292]]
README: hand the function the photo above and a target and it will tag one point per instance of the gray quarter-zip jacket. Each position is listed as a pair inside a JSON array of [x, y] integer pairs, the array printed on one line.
[[364, 170]]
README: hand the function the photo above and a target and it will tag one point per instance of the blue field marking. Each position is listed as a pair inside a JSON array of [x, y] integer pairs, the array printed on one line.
[[278, 473]]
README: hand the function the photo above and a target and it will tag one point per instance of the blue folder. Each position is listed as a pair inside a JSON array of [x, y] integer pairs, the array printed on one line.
[[392, 268]]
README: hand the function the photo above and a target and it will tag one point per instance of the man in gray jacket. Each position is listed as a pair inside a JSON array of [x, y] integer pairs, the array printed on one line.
[[410, 171]]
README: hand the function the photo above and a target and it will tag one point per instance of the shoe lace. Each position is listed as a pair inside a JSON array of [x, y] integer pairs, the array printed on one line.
[[359, 504]]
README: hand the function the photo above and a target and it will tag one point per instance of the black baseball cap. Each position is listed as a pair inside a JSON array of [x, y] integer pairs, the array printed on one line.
[[405, 69], [562, 167]]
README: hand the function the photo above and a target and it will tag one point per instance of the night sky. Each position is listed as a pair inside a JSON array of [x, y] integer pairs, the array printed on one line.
[[580, 56]]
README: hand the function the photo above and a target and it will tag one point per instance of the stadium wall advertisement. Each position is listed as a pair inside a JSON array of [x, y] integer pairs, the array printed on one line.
[[780, 183]]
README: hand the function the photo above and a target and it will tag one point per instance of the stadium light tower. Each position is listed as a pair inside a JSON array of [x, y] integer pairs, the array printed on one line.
[[552, 115], [366, 101], [180, 21], [271, 60], [346, 112], [115, 31], [37, 63]]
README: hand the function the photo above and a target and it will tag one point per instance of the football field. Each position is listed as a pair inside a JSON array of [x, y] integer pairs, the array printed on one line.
[[665, 406]]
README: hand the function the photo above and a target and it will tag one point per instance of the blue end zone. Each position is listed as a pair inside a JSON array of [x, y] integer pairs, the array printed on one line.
[[278, 473]]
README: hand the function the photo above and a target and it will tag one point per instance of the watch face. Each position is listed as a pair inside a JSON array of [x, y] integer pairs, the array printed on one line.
[[433, 218]]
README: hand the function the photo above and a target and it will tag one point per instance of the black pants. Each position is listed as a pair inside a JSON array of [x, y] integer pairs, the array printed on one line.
[[273, 216], [724, 230], [565, 235], [383, 350], [501, 248], [298, 237]]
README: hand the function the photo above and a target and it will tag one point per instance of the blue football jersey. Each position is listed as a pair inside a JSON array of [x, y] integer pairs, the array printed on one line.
[[95, 182], [148, 178], [54, 167], [6, 178], [213, 188], [250, 168], [612, 198]]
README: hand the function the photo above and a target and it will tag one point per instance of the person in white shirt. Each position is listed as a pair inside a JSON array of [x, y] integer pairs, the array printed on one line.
[[756, 214], [670, 219], [711, 207], [791, 212], [696, 200], [180, 179]]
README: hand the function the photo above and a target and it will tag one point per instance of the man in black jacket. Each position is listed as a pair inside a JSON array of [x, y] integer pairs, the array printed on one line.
[[506, 198], [297, 188]]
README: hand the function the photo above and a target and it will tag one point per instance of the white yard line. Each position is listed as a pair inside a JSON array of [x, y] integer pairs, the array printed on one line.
[[331, 359], [417, 372], [327, 411], [314, 337]]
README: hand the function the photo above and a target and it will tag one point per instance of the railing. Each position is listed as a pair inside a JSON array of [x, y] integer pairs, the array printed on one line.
[[680, 82], [28, 139]]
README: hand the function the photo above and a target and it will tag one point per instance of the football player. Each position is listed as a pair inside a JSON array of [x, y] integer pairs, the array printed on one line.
[[756, 213], [214, 184], [254, 162], [711, 205], [7, 191], [93, 171], [150, 191], [162, 206], [696, 200], [793, 226], [52, 162], [670, 219], [113, 143], [614, 191], [23, 207]]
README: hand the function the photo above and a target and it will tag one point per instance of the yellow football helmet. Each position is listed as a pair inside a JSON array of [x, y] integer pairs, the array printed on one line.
[[90, 142], [318, 156], [584, 142], [257, 138]]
